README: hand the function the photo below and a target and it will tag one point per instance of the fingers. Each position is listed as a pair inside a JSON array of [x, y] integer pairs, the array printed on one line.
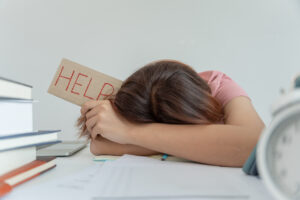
[[90, 123], [88, 106], [103, 106], [96, 110], [96, 130]]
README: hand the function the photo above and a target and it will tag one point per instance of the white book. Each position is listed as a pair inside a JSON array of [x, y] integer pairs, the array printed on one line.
[[13, 159], [14, 89], [15, 116], [16, 141]]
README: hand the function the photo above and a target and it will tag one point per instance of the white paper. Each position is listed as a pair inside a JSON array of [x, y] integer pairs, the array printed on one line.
[[157, 178], [134, 177], [137, 177]]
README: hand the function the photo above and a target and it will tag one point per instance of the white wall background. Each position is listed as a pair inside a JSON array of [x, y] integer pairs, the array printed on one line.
[[256, 42]]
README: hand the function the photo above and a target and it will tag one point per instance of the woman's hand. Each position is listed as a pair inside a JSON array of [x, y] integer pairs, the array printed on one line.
[[102, 146], [82, 119], [102, 119]]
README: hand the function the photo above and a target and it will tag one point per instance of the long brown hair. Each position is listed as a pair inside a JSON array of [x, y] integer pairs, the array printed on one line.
[[167, 91]]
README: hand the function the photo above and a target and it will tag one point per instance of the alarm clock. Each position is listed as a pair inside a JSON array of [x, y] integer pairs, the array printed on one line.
[[278, 150]]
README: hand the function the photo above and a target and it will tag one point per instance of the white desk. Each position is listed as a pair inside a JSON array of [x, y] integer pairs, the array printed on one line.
[[67, 166]]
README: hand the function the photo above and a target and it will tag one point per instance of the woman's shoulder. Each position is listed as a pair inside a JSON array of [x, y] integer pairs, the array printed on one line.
[[211, 75], [223, 88]]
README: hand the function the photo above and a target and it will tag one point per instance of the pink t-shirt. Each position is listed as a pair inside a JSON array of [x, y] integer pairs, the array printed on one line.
[[223, 88]]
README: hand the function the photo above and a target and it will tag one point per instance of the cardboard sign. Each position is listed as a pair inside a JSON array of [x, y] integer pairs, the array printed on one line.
[[78, 84]]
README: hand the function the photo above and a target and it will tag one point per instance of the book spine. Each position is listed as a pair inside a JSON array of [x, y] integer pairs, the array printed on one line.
[[4, 188], [29, 178]]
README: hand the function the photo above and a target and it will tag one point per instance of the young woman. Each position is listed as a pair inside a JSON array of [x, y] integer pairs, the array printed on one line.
[[167, 107]]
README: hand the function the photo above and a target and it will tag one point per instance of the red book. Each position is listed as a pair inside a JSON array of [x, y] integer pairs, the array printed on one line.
[[22, 174]]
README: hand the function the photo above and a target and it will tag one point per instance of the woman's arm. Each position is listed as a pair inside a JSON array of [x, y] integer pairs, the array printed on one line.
[[218, 144], [225, 145], [102, 146]]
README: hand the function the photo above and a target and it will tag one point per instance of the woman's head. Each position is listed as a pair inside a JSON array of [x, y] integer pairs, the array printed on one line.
[[167, 92]]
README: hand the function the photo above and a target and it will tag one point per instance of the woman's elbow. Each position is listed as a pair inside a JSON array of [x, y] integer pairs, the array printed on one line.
[[249, 145]]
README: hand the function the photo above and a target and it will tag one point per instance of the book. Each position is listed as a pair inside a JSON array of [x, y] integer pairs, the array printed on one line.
[[22, 174], [14, 89], [21, 140], [16, 158], [250, 166], [16, 116]]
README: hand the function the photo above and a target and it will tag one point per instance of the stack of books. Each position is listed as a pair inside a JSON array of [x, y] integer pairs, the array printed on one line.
[[18, 141]]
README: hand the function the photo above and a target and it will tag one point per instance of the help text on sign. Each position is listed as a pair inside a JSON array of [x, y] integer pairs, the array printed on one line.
[[78, 84]]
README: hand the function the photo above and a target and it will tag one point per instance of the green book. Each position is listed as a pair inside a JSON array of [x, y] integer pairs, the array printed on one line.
[[250, 166]]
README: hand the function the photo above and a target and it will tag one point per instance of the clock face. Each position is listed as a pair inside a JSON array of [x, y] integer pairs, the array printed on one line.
[[283, 156]]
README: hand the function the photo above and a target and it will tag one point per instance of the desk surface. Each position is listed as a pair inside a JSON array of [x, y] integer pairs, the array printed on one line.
[[70, 165]]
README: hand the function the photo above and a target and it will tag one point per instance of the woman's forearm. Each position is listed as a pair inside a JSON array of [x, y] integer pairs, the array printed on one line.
[[224, 145], [102, 146]]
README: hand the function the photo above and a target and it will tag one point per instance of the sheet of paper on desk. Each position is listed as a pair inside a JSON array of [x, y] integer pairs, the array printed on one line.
[[132, 177], [137, 177]]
